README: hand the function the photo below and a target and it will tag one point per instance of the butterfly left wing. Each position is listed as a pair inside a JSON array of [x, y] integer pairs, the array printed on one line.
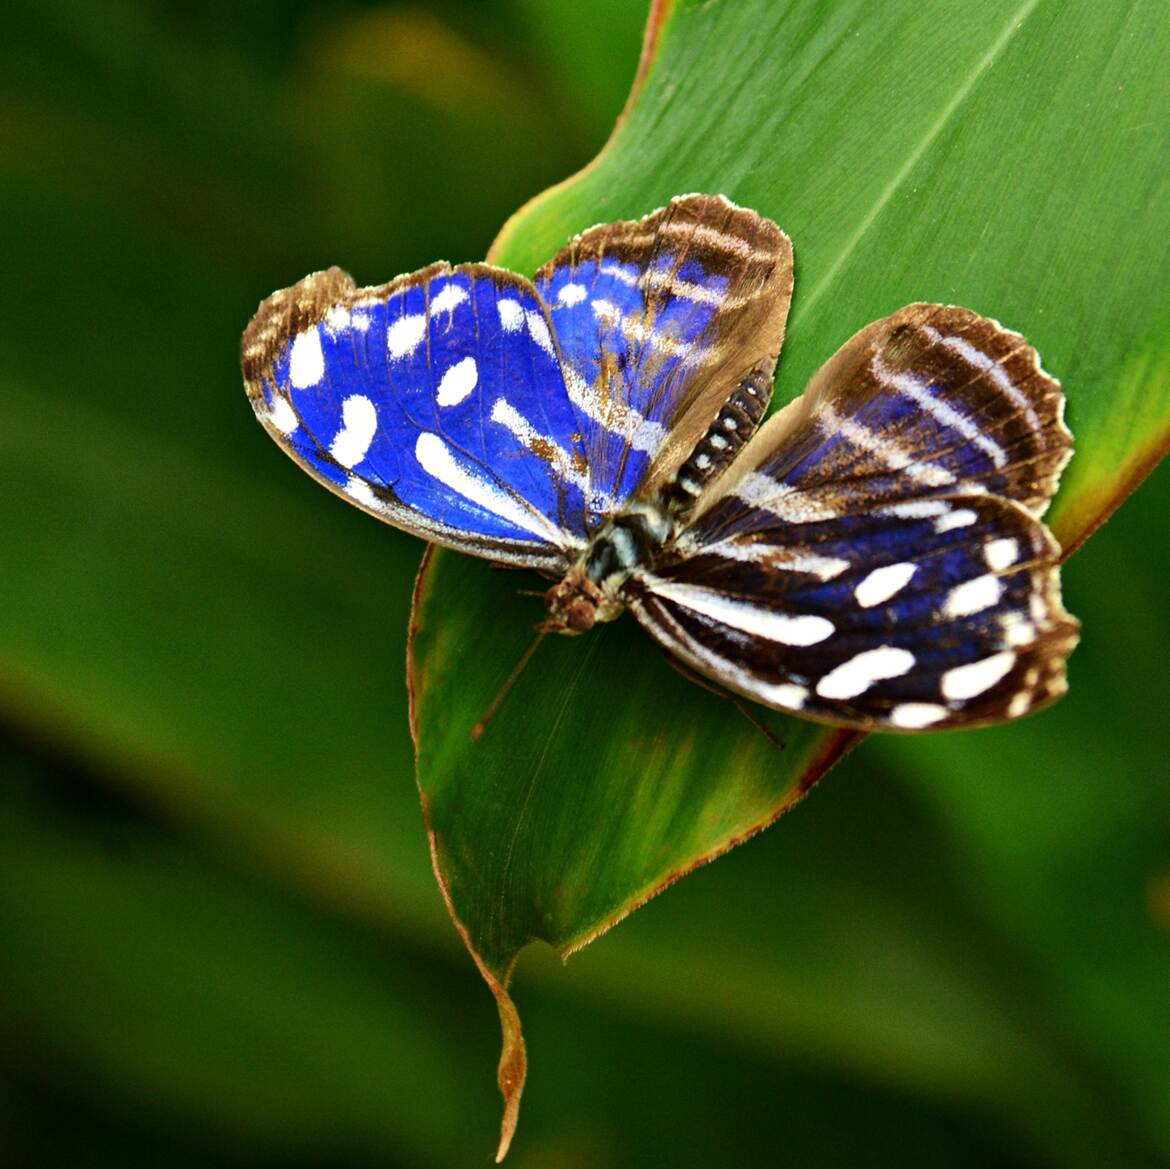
[[657, 319], [875, 558], [435, 402]]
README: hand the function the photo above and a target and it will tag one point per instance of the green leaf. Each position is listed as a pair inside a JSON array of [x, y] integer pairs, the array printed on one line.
[[1006, 157]]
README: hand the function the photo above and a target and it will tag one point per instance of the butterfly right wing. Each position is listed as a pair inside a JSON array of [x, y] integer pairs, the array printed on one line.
[[435, 402], [936, 613], [874, 558]]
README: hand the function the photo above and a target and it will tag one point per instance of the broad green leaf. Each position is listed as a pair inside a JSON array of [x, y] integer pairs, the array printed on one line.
[[1006, 157]]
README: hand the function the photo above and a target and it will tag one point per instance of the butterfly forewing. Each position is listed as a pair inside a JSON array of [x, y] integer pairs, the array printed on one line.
[[874, 559], [657, 319], [435, 402], [935, 613]]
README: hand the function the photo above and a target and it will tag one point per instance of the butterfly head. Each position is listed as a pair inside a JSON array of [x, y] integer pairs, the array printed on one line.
[[592, 590], [575, 604]]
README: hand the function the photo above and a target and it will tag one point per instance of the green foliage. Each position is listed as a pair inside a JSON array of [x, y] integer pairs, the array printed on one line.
[[995, 181], [223, 943]]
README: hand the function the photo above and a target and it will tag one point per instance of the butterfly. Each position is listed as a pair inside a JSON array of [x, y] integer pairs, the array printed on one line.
[[871, 556]]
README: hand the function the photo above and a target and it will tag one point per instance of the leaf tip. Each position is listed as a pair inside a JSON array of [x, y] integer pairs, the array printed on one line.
[[513, 1066]]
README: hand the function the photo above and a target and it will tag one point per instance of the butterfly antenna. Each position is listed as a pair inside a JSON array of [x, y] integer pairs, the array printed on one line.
[[502, 693]]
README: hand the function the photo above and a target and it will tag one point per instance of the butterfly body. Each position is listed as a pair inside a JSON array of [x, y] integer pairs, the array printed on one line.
[[593, 589], [637, 540], [872, 555]]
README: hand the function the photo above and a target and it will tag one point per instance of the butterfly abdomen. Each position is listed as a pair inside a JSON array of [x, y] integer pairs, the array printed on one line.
[[735, 423]]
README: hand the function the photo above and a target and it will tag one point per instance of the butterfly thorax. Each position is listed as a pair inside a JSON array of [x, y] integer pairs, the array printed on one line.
[[591, 590]]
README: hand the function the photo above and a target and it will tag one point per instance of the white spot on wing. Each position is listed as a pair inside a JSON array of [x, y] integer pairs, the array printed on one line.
[[973, 596], [786, 694], [916, 509], [405, 335], [511, 314], [991, 367], [1017, 630], [785, 628], [619, 273], [1019, 704], [359, 491], [283, 416], [507, 415], [436, 458], [712, 236], [614, 416], [636, 330], [458, 381], [359, 422], [881, 584], [788, 503], [337, 319], [664, 280], [885, 450], [306, 362], [962, 518], [860, 672], [448, 298], [572, 294], [976, 678], [538, 330], [779, 558], [822, 567], [915, 715], [1001, 554]]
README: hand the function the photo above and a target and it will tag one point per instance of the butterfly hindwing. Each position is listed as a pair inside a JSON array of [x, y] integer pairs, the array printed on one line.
[[435, 402], [932, 400], [657, 319]]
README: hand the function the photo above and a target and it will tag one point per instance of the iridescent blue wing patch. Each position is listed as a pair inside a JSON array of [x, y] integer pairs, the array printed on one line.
[[875, 556], [435, 402], [657, 319]]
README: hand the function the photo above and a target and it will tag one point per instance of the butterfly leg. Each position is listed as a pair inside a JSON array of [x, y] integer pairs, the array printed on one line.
[[721, 692]]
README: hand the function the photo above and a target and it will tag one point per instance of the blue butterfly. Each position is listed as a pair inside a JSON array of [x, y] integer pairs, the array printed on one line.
[[873, 556]]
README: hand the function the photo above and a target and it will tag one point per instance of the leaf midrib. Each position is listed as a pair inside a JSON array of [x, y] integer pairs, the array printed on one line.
[[805, 304]]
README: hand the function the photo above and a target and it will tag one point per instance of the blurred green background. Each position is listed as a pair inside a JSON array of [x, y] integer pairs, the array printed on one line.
[[220, 938]]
